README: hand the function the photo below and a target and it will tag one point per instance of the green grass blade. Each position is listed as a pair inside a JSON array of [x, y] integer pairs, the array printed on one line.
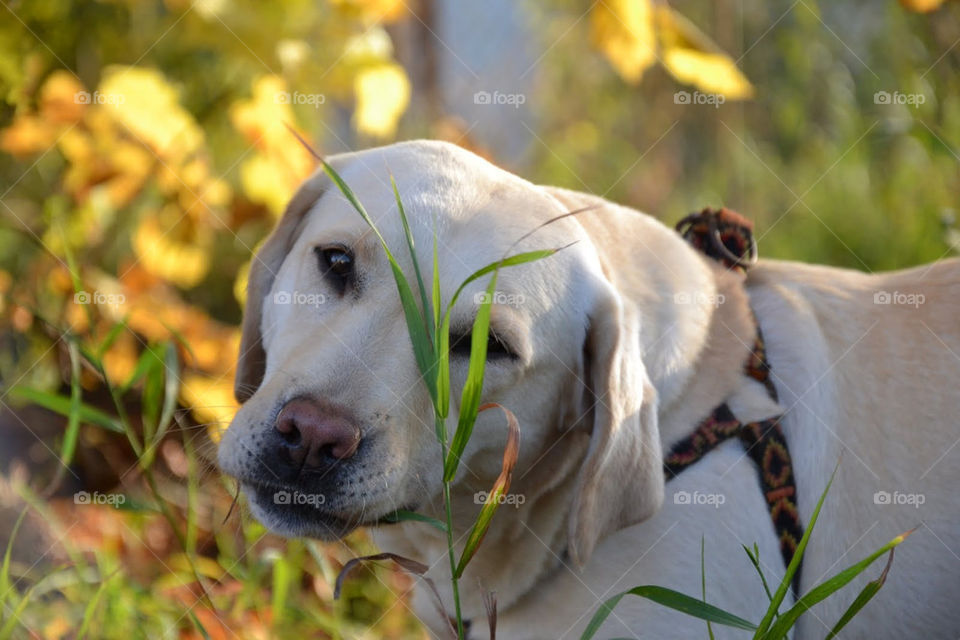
[[422, 345], [151, 396], [510, 453], [171, 389], [11, 624], [470, 397], [284, 575], [862, 599], [442, 338], [69, 445], [443, 370], [672, 600], [144, 363], [755, 561], [828, 588], [413, 254], [512, 261], [73, 268], [111, 337], [5, 585], [443, 350], [91, 608], [435, 288], [403, 515], [195, 621], [703, 585], [784, 586], [60, 404]]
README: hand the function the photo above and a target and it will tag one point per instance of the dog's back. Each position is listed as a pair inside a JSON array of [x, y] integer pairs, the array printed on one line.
[[868, 367]]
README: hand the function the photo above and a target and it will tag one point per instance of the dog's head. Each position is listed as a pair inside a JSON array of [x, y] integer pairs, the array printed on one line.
[[337, 428]]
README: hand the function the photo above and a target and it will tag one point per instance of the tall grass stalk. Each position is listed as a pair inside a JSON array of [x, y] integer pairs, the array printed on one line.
[[775, 625], [428, 323]]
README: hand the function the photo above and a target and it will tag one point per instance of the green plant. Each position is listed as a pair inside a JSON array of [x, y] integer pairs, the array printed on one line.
[[428, 323], [775, 624]]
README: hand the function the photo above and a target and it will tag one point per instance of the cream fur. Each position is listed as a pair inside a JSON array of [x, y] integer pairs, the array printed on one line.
[[628, 314]]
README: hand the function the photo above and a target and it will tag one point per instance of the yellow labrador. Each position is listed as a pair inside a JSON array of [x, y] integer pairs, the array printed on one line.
[[608, 353]]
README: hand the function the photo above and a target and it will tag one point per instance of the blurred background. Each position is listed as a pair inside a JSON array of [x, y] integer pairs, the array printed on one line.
[[144, 155]]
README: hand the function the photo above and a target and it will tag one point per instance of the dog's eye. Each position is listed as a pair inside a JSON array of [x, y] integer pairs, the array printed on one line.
[[496, 348], [336, 265]]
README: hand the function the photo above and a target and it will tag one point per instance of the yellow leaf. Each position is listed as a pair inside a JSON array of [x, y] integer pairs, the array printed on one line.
[[383, 92], [623, 31], [145, 103], [373, 46], [711, 72], [373, 11], [59, 98], [162, 252], [261, 118], [280, 164], [210, 400], [921, 6], [692, 58], [27, 135], [266, 182]]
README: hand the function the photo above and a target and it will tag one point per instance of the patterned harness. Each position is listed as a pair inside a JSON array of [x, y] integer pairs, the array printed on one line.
[[727, 237]]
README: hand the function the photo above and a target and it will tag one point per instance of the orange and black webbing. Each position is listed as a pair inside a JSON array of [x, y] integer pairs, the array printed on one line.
[[727, 237]]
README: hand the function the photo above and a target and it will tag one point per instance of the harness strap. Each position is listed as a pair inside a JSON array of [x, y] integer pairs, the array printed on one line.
[[727, 237]]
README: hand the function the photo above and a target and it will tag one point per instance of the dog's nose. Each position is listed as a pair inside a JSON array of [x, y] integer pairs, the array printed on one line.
[[313, 434]]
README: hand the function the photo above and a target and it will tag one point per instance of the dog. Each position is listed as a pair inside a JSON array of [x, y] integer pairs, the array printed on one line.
[[608, 352]]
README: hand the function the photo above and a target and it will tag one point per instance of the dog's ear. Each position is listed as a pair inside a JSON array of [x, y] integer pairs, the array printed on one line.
[[621, 480], [252, 360]]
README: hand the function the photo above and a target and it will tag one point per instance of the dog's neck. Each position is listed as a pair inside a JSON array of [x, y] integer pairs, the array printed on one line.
[[717, 371]]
